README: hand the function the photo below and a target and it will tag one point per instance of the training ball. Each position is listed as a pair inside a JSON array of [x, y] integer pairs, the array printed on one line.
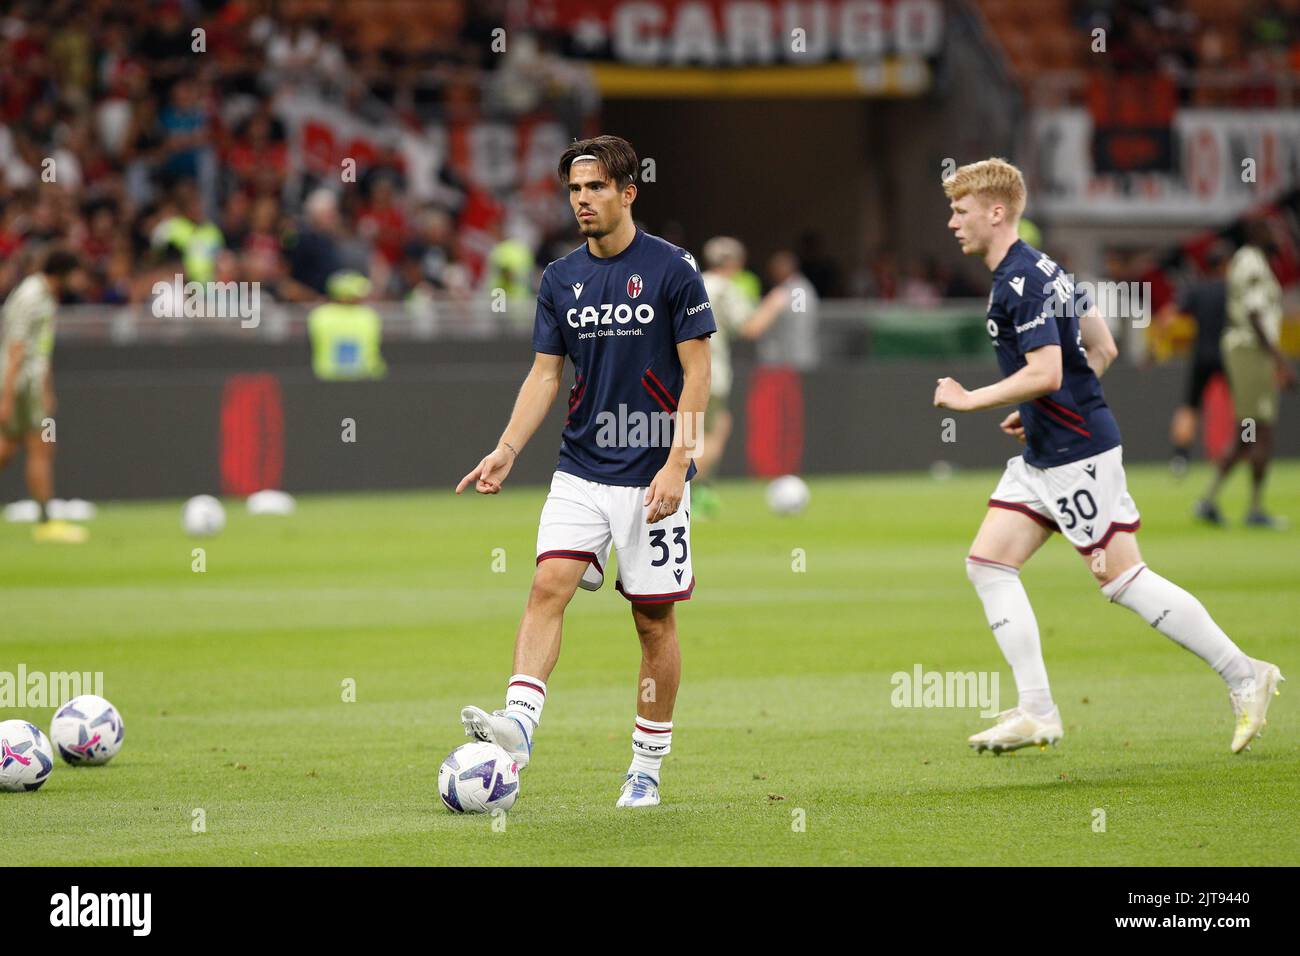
[[478, 778], [87, 730], [26, 758], [23, 512], [788, 495], [270, 502], [203, 516]]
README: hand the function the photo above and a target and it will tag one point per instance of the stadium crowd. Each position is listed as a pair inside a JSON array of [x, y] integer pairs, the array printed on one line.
[[121, 142], [148, 152], [1190, 41], [147, 160]]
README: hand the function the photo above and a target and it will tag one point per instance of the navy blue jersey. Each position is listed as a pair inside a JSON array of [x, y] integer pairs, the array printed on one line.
[[1033, 304], [619, 319]]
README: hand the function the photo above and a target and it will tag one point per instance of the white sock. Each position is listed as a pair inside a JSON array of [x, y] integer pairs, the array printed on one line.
[[651, 740], [1006, 605], [524, 699], [1181, 618]]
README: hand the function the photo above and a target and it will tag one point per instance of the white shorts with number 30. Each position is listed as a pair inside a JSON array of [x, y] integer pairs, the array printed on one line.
[[1086, 500], [584, 519]]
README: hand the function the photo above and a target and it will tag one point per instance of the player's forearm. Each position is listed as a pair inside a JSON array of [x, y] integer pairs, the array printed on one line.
[[534, 400], [688, 431], [1099, 360], [1024, 385], [1099, 346]]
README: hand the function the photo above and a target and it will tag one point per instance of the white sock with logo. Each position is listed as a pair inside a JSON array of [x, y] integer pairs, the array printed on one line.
[[524, 699], [1181, 618], [1010, 616], [651, 741]]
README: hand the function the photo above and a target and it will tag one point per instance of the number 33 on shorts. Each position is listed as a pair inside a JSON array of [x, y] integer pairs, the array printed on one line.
[[586, 520]]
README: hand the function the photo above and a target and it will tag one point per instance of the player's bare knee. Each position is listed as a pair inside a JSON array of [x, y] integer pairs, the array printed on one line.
[[655, 623], [1104, 577], [1116, 559], [552, 587]]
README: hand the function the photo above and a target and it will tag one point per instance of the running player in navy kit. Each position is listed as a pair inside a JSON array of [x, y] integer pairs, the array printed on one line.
[[1071, 476], [631, 312]]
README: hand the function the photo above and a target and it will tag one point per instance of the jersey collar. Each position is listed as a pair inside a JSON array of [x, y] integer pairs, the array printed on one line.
[[1005, 264], [610, 260]]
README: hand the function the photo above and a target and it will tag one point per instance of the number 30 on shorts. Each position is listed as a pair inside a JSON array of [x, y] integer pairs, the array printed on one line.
[[657, 541], [1083, 502]]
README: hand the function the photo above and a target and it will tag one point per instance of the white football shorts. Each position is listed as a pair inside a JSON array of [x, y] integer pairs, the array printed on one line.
[[1086, 500], [584, 519]]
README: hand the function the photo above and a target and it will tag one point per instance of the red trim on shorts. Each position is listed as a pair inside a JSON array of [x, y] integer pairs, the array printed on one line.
[[530, 686], [1110, 533], [1047, 523], [575, 555], [665, 598]]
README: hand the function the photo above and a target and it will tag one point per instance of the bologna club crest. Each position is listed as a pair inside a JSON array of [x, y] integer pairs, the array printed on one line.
[[634, 287]]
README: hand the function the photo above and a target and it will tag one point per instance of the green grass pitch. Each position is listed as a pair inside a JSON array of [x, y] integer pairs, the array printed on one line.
[[231, 682]]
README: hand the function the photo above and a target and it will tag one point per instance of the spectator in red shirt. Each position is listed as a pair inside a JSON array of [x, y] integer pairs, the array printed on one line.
[[383, 223]]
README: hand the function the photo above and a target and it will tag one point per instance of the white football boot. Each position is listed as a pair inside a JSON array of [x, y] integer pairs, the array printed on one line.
[[498, 728], [639, 790], [1250, 703], [1018, 728]]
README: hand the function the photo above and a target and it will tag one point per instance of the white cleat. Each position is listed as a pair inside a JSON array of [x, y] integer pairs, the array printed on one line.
[[1250, 703], [498, 728], [1018, 728], [639, 790]]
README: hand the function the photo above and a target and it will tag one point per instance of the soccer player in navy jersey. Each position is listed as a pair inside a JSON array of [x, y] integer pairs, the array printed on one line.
[[1071, 476], [631, 312]]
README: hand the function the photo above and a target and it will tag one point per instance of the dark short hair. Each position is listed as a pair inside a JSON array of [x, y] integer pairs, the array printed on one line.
[[615, 155], [59, 262]]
